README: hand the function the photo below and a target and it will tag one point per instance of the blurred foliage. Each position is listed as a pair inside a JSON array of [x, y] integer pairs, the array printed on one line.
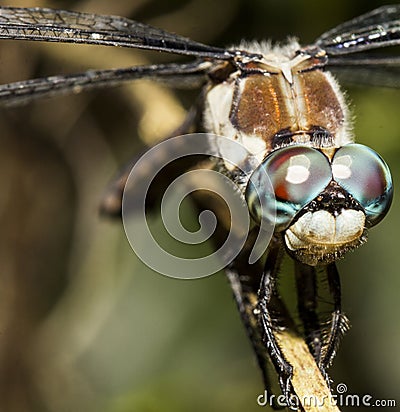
[[84, 326]]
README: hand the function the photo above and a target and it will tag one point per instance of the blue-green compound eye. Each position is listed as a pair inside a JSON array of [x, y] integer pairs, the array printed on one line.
[[298, 174], [366, 176]]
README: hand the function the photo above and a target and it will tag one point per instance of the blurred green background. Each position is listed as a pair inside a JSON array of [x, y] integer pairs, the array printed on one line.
[[83, 325]]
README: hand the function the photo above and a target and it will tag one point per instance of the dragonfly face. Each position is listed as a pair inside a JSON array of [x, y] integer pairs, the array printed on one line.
[[284, 106]]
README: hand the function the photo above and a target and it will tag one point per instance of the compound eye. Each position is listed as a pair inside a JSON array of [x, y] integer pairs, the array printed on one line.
[[366, 176], [298, 174]]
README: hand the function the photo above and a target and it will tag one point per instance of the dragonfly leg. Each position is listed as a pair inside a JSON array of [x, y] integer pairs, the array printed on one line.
[[246, 311], [245, 282], [339, 322], [306, 285], [266, 295]]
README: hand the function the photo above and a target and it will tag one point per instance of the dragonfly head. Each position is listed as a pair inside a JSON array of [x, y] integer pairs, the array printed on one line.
[[322, 205]]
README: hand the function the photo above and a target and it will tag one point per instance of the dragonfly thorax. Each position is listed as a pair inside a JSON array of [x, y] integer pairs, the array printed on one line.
[[280, 100]]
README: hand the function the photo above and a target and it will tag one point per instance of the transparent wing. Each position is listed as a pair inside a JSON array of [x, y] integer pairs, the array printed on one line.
[[42, 24], [373, 30], [367, 70], [22, 92]]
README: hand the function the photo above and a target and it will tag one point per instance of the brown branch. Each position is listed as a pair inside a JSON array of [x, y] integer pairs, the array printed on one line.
[[308, 383]]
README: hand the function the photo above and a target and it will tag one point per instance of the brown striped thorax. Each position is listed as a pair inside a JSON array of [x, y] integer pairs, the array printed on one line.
[[292, 116]]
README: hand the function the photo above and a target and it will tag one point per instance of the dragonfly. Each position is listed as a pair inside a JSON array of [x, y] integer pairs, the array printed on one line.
[[283, 104]]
